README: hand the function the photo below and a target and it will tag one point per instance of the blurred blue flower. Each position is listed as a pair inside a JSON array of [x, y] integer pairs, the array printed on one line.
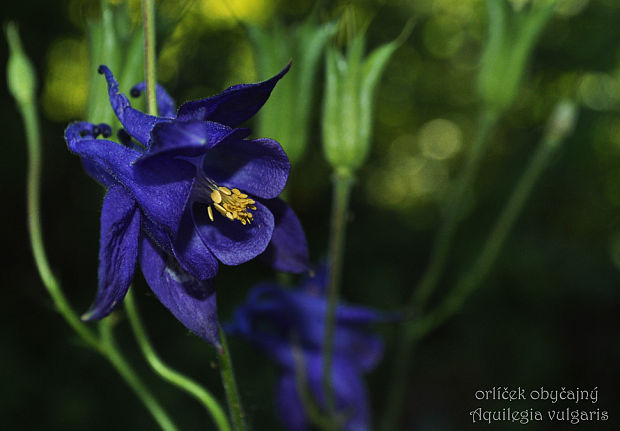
[[160, 191], [288, 325]]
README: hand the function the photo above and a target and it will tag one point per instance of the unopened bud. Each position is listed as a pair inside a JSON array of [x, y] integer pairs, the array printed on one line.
[[21, 78]]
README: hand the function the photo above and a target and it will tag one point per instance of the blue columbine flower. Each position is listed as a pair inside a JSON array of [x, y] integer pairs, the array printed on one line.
[[163, 189], [285, 323]]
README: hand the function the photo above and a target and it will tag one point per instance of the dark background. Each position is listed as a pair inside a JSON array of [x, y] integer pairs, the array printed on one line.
[[547, 316]]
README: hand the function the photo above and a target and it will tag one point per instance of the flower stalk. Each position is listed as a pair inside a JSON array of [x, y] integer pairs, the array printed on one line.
[[229, 382], [168, 374], [560, 126], [113, 354], [453, 213], [148, 18], [343, 181], [22, 84]]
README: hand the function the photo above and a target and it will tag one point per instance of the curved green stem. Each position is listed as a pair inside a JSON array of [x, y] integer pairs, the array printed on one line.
[[103, 344], [113, 354], [442, 244], [148, 19], [33, 137], [170, 375], [343, 182], [301, 382], [560, 126], [453, 213], [237, 414], [470, 281]]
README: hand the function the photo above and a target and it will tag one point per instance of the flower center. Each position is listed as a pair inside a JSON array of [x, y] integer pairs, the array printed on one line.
[[232, 204]]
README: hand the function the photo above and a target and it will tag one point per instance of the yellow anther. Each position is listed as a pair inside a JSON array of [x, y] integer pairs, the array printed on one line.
[[232, 204], [216, 196], [220, 208]]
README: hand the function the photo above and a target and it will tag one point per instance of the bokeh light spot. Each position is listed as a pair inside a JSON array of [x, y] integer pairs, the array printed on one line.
[[65, 91], [599, 91], [440, 139], [443, 35]]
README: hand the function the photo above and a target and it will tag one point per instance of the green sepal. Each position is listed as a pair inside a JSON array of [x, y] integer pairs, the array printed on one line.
[[511, 39], [348, 105]]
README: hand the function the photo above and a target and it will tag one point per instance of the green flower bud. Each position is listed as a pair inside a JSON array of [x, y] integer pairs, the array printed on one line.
[[511, 38], [21, 78], [348, 103]]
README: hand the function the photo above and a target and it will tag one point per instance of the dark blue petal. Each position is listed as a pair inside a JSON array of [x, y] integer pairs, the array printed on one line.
[[161, 194], [191, 252], [138, 124], [230, 241], [186, 139], [190, 300], [81, 131], [349, 390], [165, 103], [288, 249], [290, 410], [316, 282], [118, 251], [293, 314], [234, 105], [259, 167]]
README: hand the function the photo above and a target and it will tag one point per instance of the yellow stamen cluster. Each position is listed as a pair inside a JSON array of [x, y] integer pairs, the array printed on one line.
[[232, 204]]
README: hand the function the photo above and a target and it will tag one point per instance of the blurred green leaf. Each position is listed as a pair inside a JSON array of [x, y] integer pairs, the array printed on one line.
[[286, 117]]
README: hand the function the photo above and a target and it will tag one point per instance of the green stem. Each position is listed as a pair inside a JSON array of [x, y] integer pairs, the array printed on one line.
[[497, 237], [113, 354], [148, 19], [105, 346], [560, 126], [170, 375], [237, 415], [453, 213], [33, 137], [301, 381], [343, 182]]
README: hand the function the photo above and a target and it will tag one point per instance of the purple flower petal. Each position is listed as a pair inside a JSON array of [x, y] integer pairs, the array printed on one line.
[[161, 194], [138, 124], [190, 300], [295, 314], [234, 105], [166, 107], [118, 251], [186, 139], [230, 241], [288, 250], [191, 252], [259, 167], [81, 131], [349, 390], [290, 410]]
